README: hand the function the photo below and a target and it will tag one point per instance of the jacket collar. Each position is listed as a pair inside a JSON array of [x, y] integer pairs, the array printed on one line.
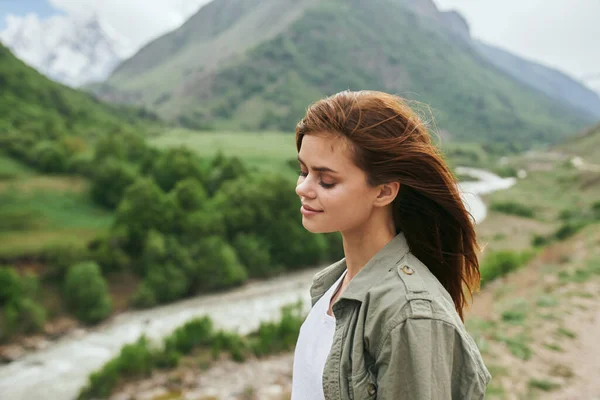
[[376, 268]]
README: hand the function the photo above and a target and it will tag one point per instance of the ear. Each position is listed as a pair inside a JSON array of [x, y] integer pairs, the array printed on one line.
[[387, 193]]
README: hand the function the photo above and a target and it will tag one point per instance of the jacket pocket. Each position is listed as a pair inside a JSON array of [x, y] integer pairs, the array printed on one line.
[[362, 387]]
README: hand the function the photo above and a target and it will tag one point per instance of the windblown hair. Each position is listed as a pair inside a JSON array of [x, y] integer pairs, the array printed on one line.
[[391, 144]]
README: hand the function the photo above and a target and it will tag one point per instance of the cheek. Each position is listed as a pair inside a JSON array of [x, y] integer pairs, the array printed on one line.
[[347, 202]]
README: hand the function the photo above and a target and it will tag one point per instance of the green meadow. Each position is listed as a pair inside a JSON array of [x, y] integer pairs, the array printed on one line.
[[264, 150], [39, 210]]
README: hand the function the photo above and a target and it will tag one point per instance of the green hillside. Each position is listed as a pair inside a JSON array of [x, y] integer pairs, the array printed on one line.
[[264, 80], [586, 145], [32, 103]]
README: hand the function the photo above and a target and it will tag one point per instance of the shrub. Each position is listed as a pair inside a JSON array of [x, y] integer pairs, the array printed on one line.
[[10, 285], [20, 311], [539, 240], [195, 333], [59, 257], [567, 230], [86, 293], [514, 208], [223, 169], [216, 265], [201, 223], [49, 156], [189, 195], [144, 296], [81, 164], [31, 316], [108, 251], [144, 207], [253, 253], [111, 179], [235, 345], [500, 263], [272, 337], [505, 171], [167, 281], [175, 165], [134, 360], [596, 210], [138, 359]]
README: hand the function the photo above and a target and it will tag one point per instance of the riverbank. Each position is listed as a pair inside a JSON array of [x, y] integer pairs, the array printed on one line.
[[61, 370]]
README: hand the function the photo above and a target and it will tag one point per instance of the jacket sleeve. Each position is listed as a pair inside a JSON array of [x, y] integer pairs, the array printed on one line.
[[429, 359]]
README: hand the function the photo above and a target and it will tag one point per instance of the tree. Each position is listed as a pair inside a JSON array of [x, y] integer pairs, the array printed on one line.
[[50, 157], [110, 180], [223, 169], [175, 165], [20, 311], [86, 293], [253, 253], [166, 266], [268, 207], [190, 195], [144, 207], [216, 265]]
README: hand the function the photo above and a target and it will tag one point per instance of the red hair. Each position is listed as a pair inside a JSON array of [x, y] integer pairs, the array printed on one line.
[[391, 144]]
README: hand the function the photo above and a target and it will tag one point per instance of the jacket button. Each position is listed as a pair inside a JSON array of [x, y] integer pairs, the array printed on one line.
[[371, 389], [408, 270]]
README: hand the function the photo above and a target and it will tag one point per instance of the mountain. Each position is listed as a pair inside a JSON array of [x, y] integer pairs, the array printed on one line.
[[64, 49], [549, 81], [257, 64], [32, 103]]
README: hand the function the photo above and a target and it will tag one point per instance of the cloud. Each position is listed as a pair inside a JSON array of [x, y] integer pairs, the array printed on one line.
[[558, 33], [139, 21]]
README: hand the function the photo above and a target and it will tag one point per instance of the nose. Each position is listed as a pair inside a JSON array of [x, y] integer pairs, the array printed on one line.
[[304, 188]]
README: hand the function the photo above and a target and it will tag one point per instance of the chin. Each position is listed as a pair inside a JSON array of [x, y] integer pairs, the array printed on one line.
[[316, 228]]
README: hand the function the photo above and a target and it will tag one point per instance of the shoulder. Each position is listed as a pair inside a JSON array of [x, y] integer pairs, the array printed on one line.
[[414, 343], [408, 292], [411, 308]]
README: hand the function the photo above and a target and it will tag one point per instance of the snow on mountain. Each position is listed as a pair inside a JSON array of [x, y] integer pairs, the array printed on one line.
[[67, 50]]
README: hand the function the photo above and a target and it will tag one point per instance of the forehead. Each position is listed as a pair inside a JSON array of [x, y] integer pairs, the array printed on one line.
[[326, 149]]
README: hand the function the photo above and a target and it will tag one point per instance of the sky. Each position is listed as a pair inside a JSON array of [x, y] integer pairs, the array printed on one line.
[[22, 7], [557, 33]]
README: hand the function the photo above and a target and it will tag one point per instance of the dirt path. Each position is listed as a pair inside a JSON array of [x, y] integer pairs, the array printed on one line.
[[539, 328], [584, 359]]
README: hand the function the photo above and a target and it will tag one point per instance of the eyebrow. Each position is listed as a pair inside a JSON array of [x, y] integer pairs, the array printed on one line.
[[319, 169]]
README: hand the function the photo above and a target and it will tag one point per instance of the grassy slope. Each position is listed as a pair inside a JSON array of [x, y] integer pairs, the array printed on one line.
[[265, 150], [552, 186], [586, 145], [533, 328], [38, 210], [31, 102], [202, 44]]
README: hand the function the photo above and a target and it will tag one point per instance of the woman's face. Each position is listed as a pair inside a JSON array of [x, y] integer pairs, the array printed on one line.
[[333, 185]]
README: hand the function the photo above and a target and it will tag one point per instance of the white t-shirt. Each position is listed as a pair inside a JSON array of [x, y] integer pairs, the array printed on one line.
[[312, 349]]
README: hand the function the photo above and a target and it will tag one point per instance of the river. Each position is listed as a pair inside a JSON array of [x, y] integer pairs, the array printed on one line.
[[61, 370]]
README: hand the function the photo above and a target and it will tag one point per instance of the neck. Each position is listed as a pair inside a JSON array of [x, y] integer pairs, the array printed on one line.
[[360, 245]]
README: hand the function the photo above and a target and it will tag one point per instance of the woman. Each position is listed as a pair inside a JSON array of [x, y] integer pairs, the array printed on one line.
[[387, 320]]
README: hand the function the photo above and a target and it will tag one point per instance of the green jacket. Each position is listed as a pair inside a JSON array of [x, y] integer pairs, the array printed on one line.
[[398, 335]]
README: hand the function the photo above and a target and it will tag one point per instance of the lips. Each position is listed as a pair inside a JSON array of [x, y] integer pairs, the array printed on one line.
[[310, 208]]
